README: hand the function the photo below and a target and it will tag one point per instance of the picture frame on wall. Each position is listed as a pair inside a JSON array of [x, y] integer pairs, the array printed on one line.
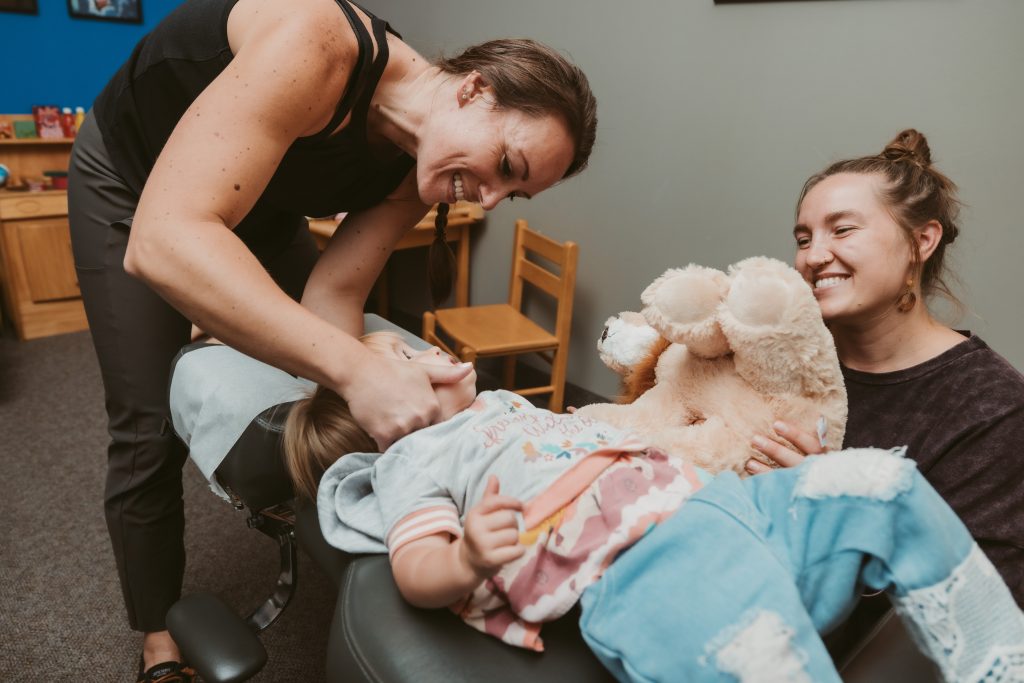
[[20, 6], [126, 11]]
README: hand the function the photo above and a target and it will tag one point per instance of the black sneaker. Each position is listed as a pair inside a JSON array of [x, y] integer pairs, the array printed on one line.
[[167, 672]]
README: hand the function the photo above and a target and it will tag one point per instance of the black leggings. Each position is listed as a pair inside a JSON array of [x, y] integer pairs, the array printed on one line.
[[137, 334]]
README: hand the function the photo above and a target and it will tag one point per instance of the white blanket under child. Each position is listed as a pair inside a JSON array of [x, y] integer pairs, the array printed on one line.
[[215, 393]]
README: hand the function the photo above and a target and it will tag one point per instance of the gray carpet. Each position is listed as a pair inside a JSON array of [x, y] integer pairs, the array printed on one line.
[[61, 613]]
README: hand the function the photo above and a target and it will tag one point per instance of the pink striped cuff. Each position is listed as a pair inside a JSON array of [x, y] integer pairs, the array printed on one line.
[[439, 519]]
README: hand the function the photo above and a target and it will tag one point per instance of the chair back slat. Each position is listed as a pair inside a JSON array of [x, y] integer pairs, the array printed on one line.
[[538, 277], [545, 246]]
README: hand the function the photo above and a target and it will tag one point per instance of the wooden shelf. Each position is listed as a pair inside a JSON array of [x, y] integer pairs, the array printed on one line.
[[39, 283], [29, 194], [31, 142], [36, 141]]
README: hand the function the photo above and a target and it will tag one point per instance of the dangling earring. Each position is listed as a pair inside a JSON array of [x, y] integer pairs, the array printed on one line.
[[907, 300]]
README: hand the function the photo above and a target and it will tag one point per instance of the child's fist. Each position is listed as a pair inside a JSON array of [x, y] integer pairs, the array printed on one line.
[[491, 537]]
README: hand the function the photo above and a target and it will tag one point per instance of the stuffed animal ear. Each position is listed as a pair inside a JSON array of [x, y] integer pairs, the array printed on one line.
[[626, 341], [682, 305], [774, 325]]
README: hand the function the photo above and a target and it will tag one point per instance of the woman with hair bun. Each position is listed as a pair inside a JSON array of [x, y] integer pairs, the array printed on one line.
[[230, 122], [871, 238]]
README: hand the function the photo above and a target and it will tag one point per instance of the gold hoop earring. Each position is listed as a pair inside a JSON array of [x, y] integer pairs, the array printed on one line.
[[908, 299]]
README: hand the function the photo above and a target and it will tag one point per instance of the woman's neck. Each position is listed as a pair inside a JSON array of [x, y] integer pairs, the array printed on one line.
[[403, 100], [894, 341]]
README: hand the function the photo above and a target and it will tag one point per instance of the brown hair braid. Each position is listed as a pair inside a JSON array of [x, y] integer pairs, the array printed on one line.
[[440, 259]]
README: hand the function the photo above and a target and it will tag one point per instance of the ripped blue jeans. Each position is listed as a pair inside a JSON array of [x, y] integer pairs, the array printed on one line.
[[738, 584]]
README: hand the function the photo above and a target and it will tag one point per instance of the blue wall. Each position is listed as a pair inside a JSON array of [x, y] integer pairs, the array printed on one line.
[[51, 58]]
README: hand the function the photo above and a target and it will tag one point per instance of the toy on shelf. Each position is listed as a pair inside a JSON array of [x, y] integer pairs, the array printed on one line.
[[25, 130], [47, 119]]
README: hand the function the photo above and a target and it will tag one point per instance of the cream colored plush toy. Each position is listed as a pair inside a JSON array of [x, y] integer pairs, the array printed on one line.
[[716, 358]]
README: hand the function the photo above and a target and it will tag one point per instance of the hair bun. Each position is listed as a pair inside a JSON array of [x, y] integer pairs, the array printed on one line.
[[910, 145], [950, 233]]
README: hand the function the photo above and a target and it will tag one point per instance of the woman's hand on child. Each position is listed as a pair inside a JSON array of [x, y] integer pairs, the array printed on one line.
[[491, 538], [803, 443], [392, 398]]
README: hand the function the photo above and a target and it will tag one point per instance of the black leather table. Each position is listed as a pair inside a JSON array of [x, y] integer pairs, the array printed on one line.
[[377, 637]]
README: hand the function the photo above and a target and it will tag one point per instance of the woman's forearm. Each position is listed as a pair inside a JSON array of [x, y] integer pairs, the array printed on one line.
[[346, 271], [207, 273], [434, 573]]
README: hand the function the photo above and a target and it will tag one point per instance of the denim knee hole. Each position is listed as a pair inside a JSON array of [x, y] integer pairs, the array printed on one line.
[[758, 643], [859, 472]]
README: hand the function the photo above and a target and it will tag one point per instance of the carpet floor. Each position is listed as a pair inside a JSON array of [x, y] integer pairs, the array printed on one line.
[[61, 612]]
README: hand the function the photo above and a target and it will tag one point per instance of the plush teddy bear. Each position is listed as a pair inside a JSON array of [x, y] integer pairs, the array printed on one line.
[[716, 358]]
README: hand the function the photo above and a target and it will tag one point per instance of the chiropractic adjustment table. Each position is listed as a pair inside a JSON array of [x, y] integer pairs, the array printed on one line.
[[375, 635]]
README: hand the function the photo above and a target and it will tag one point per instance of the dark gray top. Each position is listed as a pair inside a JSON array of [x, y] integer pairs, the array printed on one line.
[[961, 415]]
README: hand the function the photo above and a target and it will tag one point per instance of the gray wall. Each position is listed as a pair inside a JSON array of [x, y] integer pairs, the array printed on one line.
[[712, 116]]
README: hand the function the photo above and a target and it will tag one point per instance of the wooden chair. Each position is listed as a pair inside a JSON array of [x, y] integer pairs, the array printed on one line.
[[503, 330]]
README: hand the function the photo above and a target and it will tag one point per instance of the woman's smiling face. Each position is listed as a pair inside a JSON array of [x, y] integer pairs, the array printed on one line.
[[850, 249], [453, 397], [470, 150]]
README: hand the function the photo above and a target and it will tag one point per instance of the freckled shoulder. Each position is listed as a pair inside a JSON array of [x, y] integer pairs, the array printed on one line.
[[306, 47]]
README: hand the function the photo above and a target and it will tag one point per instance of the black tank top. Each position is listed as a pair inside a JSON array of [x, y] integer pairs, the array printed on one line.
[[321, 174]]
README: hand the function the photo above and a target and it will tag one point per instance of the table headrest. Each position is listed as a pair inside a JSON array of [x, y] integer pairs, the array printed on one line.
[[230, 410], [254, 468]]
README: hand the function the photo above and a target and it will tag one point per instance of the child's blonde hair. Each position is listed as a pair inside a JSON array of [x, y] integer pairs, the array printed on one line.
[[320, 429]]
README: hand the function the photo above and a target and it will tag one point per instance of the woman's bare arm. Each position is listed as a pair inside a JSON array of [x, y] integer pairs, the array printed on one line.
[[287, 76], [346, 271], [283, 83]]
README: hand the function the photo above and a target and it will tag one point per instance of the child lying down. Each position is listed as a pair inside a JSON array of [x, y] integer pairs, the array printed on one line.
[[510, 514]]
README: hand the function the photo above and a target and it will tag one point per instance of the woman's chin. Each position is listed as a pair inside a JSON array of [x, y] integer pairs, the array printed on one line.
[[830, 303]]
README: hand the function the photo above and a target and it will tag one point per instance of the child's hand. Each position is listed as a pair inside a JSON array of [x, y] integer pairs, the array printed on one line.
[[491, 537]]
